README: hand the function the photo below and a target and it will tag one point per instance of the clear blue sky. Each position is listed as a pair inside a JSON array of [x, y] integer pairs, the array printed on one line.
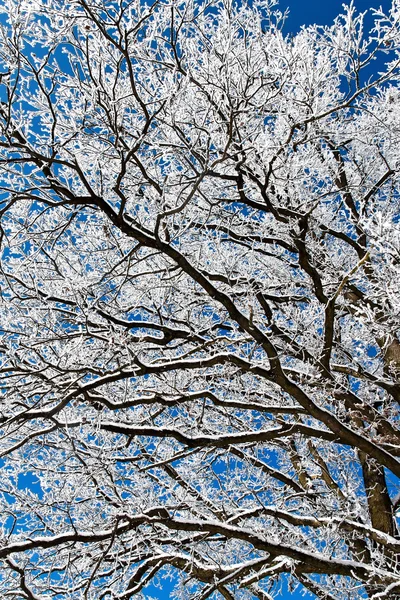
[[322, 12]]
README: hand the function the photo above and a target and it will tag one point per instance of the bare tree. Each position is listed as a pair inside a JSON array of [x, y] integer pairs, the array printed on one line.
[[200, 301]]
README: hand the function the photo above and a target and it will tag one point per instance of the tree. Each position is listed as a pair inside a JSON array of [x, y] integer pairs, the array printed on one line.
[[199, 317]]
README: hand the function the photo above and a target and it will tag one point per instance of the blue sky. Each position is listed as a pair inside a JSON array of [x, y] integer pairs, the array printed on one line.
[[322, 12]]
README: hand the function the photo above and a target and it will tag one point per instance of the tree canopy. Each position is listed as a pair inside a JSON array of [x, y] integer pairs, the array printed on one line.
[[199, 351]]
